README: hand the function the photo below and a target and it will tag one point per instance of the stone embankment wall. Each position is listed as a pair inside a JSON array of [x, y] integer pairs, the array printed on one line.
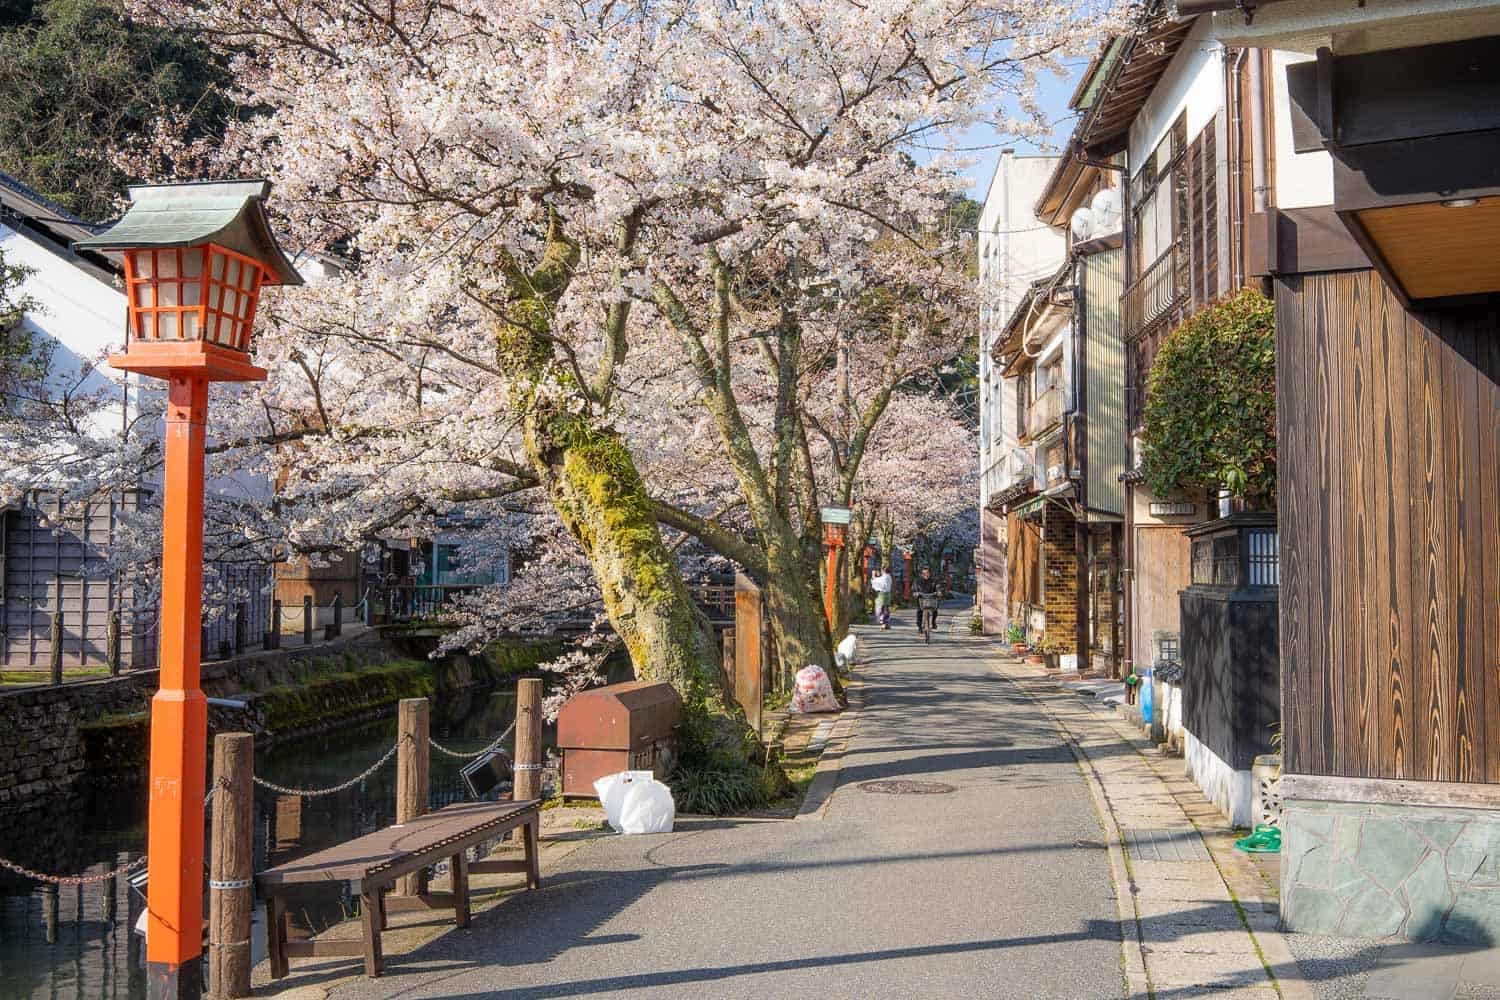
[[52, 737]]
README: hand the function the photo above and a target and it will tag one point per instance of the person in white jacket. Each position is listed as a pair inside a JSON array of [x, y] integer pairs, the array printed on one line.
[[881, 584]]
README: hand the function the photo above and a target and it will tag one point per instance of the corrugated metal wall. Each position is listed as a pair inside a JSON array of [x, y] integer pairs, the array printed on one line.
[[1103, 279], [58, 566]]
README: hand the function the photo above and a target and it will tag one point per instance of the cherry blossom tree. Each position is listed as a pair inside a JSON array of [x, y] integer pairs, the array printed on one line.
[[569, 237]]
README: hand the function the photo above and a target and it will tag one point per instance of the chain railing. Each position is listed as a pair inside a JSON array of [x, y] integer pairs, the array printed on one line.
[[477, 753], [313, 793], [61, 880]]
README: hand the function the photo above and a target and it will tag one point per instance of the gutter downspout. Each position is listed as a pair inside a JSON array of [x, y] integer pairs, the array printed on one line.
[[1257, 135], [1236, 170]]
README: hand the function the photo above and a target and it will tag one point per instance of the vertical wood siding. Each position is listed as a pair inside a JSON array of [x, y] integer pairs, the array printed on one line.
[[1389, 441]]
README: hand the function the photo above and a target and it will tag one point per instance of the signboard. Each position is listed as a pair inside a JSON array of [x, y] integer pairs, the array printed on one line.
[[837, 515], [1173, 509]]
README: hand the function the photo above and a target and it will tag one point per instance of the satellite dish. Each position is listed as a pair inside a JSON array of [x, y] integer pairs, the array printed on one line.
[[1106, 210], [1083, 225]]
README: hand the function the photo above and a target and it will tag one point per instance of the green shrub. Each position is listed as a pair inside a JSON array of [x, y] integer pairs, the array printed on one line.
[[1210, 416]]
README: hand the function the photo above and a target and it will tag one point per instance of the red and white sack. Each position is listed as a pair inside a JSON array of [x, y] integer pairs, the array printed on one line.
[[813, 692]]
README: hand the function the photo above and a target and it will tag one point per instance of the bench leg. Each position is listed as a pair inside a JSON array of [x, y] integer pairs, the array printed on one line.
[[276, 936], [459, 864], [533, 871], [371, 905]]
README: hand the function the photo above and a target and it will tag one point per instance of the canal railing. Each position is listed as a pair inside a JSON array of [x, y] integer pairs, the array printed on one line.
[[229, 804]]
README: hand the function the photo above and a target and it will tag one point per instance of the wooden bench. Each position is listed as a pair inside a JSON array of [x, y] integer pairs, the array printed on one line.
[[370, 864]]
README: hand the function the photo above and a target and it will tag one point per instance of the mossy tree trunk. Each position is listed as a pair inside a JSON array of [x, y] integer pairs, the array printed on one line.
[[596, 489]]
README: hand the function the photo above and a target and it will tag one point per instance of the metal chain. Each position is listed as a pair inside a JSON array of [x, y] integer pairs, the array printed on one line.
[[312, 793], [25, 872], [477, 753], [135, 865]]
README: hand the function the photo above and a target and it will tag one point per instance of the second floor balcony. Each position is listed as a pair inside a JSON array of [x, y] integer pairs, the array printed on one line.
[[1045, 412], [1162, 285]]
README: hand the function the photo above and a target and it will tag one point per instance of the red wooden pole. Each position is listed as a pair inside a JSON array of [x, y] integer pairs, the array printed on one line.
[[179, 714], [831, 582]]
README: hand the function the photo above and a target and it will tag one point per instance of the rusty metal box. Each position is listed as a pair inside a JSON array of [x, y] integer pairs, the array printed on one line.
[[620, 727]]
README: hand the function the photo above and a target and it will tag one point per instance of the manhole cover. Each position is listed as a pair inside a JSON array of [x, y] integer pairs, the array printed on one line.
[[903, 787]]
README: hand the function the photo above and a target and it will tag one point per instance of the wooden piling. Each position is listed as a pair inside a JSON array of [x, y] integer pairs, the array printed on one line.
[[54, 653], [528, 739], [273, 637], [231, 866], [307, 619], [413, 728], [49, 912], [112, 643]]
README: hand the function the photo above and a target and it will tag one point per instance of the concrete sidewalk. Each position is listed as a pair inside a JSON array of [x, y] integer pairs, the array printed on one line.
[[1205, 915]]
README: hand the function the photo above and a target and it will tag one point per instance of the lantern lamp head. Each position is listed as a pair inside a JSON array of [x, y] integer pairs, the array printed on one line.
[[196, 257]]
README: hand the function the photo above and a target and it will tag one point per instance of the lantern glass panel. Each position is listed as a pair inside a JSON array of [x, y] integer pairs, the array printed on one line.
[[166, 326], [216, 267], [142, 261], [167, 294], [232, 275], [192, 262], [166, 264], [190, 326]]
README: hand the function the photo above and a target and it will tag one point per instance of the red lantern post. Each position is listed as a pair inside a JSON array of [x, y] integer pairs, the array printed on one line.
[[195, 258], [835, 534]]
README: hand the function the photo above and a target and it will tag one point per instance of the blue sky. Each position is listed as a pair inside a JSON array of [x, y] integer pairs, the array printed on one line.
[[985, 143]]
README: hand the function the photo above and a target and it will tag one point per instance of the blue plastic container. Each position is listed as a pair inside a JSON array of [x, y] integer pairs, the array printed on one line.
[[1147, 695]]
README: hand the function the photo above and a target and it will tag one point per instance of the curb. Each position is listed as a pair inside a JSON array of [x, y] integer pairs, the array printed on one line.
[[1258, 909], [1132, 948], [826, 775]]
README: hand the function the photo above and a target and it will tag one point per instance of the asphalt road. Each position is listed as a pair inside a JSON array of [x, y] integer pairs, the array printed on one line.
[[998, 889]]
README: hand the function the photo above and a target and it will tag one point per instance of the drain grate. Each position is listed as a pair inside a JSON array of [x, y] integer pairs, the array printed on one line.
[[1150, 844], [901, 786]]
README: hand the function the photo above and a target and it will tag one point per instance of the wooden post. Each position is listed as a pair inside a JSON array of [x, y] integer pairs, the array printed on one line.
[[273, 637], [241, 627], [54, 654], [412, 731], [528, 739], [231, 864], [307, 619], [729, 656], [49, 912], [111, 889], [112, 643], [338, 614]]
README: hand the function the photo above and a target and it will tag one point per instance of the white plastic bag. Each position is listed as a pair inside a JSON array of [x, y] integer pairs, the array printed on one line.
[[648, 808], [846, 650], [813, 692], [612, 789]]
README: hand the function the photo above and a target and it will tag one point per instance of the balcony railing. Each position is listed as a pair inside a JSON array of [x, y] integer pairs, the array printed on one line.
[[1161, 287], [1046, 412]]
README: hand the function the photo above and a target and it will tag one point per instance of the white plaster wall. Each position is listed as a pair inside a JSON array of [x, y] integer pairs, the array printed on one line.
[[1015, 249], [1229, 790], [82, 314], [1193, 82], [1303, 180]]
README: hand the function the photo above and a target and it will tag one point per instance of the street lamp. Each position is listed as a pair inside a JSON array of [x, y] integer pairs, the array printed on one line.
[[835, 534], [196, 257]]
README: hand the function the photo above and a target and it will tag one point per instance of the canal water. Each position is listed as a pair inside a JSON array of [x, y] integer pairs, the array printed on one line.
[[77, 941]]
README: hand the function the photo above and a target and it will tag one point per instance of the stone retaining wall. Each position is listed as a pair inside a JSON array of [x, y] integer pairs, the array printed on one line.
[[1421, 873], [42, 749]]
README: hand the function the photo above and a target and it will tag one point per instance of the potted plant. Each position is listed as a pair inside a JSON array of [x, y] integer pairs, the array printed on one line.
[[1034, 652], [1015, 634], [1052, 651]]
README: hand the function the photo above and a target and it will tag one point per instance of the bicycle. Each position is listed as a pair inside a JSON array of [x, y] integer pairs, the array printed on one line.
[[927, 608]]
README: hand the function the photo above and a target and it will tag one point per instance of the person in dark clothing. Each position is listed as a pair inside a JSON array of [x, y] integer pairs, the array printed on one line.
[[926, 584]]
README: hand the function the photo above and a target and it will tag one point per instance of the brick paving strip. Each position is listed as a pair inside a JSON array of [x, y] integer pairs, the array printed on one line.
[[1204, 919]]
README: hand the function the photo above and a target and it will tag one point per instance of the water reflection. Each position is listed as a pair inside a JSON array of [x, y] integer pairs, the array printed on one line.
[[76, 941]]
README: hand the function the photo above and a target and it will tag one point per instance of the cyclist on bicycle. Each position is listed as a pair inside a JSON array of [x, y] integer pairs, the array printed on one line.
[[926, 584]]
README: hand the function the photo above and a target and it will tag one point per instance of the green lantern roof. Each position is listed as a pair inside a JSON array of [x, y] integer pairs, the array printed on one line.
[[229, 213]]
